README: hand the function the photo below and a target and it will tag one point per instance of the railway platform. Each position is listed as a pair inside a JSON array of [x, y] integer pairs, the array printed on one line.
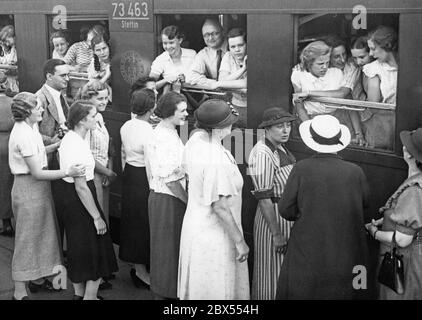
[[123, 288]]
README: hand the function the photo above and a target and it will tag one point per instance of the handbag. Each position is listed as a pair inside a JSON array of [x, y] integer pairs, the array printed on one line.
[[391, 272]]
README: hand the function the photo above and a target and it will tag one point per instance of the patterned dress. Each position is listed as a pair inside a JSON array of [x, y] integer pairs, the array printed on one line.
[[269, 168], [208, 268]]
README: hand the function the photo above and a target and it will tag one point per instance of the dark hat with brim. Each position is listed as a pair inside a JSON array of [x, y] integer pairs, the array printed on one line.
[[412, 140], [275, 116], [215, 114]]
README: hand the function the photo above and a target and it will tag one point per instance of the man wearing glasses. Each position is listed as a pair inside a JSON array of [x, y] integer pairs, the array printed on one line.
[[52, 126], [205, 67]]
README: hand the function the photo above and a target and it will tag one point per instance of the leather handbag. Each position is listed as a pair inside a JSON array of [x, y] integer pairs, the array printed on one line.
[[391, 272]]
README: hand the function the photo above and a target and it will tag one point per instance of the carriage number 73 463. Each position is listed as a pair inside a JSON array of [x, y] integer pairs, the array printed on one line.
[[134, 9]]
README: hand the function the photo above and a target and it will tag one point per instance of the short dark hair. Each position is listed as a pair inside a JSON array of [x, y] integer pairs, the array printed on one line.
[[167, 104], [50, 66], [58, 34], [172, 32], [78, 111], [97, 40], [334, 41], [142, 101], [360, 43], [237, 32], [141, 83]]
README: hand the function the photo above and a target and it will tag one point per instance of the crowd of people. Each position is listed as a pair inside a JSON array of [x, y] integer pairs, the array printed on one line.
[[369, 74], [181, 229]]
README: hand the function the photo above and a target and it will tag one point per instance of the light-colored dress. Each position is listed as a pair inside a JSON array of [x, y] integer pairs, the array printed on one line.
[[403, 212], [269, 168], [379, 129], [99, 143], [306, 81], [208, 268], [37, 251], [166, 211]]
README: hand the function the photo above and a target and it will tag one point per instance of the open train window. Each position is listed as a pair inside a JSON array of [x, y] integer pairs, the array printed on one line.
[[336, 72], [8, 55], [205, 71], [62, 39]]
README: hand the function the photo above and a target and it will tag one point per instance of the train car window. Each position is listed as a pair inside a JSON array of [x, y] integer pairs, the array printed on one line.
[[203, 66], [9, 82], [84, 44], [351, 74]]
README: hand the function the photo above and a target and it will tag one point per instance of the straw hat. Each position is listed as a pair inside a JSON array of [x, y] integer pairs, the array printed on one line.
[[324, 134]]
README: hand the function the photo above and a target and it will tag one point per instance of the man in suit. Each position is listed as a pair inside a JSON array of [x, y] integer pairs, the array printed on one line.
[[52, 125], [56, 73]]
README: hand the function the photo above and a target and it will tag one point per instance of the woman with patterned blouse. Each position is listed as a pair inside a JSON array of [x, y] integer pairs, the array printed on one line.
[[270, 164], [168, 197]]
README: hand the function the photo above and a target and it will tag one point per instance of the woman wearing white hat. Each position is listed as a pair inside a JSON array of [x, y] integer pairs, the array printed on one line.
[[326, 197]]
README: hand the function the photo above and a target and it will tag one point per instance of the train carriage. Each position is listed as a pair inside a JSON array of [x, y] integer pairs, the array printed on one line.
[[276, 31]]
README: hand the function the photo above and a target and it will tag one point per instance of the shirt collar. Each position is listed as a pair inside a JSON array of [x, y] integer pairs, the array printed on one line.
[[167, 55], [55, 93]]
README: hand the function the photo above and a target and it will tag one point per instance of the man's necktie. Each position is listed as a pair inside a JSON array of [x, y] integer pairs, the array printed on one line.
[[64, 106], [219, 57]]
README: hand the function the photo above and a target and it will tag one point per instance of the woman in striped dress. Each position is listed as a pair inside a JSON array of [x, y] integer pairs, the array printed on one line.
[[270, 164]]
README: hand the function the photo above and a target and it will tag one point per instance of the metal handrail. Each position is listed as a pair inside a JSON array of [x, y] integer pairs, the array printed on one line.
[[8, 67], [359, 105], [78, 75], [198, 89]]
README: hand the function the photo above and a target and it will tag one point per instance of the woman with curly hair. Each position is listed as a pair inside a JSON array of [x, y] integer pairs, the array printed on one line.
[[37, 252], [382, 86]]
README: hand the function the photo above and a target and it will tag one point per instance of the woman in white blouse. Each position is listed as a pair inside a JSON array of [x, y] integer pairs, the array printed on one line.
[[134, 223], [89, 248], [37, 252], [382, 86], [173, 64], [97, 93], [167, 201]]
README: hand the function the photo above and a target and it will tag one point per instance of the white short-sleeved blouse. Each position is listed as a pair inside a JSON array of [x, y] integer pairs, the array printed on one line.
[[25, 142], [230, 64], [75, 150], [165, 154], [306, 81], [164, 66], [388, 79], [135, 135]]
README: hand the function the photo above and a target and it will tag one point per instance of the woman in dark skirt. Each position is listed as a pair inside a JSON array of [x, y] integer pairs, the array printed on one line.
[[90, 250], [167, 203], [134, 223]]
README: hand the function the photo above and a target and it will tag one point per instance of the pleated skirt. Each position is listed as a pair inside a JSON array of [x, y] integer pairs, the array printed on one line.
[[37, 252], [134, 221], [267, 262], [89, 256], [166, 218]]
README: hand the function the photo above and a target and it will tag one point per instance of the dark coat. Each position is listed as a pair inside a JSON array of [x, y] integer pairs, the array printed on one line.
[[326, 197]]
